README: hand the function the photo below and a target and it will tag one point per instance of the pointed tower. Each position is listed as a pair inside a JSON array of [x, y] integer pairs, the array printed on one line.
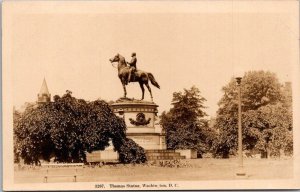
[[44, 95]]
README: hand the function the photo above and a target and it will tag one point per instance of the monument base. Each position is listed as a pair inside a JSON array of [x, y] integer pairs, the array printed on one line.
[[188, 153], [148, 140], [163, 154], [107, 155], [141, 118], [141, 121]]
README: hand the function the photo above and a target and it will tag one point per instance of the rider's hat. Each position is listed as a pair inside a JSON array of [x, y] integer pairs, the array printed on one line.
[[133, 54]]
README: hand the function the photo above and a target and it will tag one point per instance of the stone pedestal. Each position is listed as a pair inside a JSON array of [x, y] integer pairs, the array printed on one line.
[[142, 127], [141, 121]]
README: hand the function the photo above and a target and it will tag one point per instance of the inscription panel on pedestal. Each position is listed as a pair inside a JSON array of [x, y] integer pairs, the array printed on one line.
[[146, 139]]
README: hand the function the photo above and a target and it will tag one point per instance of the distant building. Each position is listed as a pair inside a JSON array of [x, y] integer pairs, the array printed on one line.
[[44, 96]]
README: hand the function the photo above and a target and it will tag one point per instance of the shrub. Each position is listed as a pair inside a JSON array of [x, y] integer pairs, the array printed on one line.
[[130, 152]]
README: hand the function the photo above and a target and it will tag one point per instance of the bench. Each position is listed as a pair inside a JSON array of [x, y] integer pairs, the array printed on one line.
[[53, 170]]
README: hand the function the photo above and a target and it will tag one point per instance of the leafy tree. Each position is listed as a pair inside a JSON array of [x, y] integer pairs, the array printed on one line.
[[287, 92], [31, 135], [67, 128], [184, 124], [270, 128], [260, 91], [16, 117]]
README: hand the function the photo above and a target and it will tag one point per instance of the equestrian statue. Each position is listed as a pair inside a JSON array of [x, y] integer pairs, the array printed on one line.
[[127, 72]]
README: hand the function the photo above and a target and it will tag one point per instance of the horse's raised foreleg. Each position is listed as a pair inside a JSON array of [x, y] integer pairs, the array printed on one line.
[[149, 89], [143, 90]]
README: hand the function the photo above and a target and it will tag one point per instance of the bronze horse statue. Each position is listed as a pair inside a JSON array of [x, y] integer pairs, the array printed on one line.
[[139, 76]]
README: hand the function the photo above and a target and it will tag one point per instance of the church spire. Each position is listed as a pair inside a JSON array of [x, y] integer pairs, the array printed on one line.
[[44, 96]]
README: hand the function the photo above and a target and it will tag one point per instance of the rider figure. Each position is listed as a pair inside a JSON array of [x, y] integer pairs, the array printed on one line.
[[132, 65]]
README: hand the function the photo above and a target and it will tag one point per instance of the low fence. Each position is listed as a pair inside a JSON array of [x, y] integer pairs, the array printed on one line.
[[59, 170]]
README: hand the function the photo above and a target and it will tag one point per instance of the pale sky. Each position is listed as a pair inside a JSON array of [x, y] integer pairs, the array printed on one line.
[[181, 43]]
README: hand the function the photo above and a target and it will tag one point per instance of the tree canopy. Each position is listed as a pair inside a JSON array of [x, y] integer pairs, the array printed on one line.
[[265, 117], [185, 125], [69, 127]]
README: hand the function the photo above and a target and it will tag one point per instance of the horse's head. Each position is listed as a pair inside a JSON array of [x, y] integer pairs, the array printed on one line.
[[115, 58]]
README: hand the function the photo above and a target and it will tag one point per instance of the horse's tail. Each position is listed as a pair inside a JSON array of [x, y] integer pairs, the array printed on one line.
[[153, 81]]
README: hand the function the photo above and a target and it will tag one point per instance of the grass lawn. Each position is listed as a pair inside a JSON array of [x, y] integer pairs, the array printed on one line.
[[197, 169]]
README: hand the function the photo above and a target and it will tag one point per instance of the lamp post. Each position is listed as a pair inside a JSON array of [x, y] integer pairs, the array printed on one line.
[[240, 171]]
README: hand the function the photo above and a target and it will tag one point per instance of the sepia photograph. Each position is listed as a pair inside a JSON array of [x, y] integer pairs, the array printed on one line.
[[150, 95]]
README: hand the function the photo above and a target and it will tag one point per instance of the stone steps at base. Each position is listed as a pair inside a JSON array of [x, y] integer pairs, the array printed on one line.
[[164, 158], [163, 154], [159, 150]]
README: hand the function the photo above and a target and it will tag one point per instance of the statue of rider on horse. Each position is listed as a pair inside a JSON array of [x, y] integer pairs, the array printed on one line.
[[127, 72], [132, 66]]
